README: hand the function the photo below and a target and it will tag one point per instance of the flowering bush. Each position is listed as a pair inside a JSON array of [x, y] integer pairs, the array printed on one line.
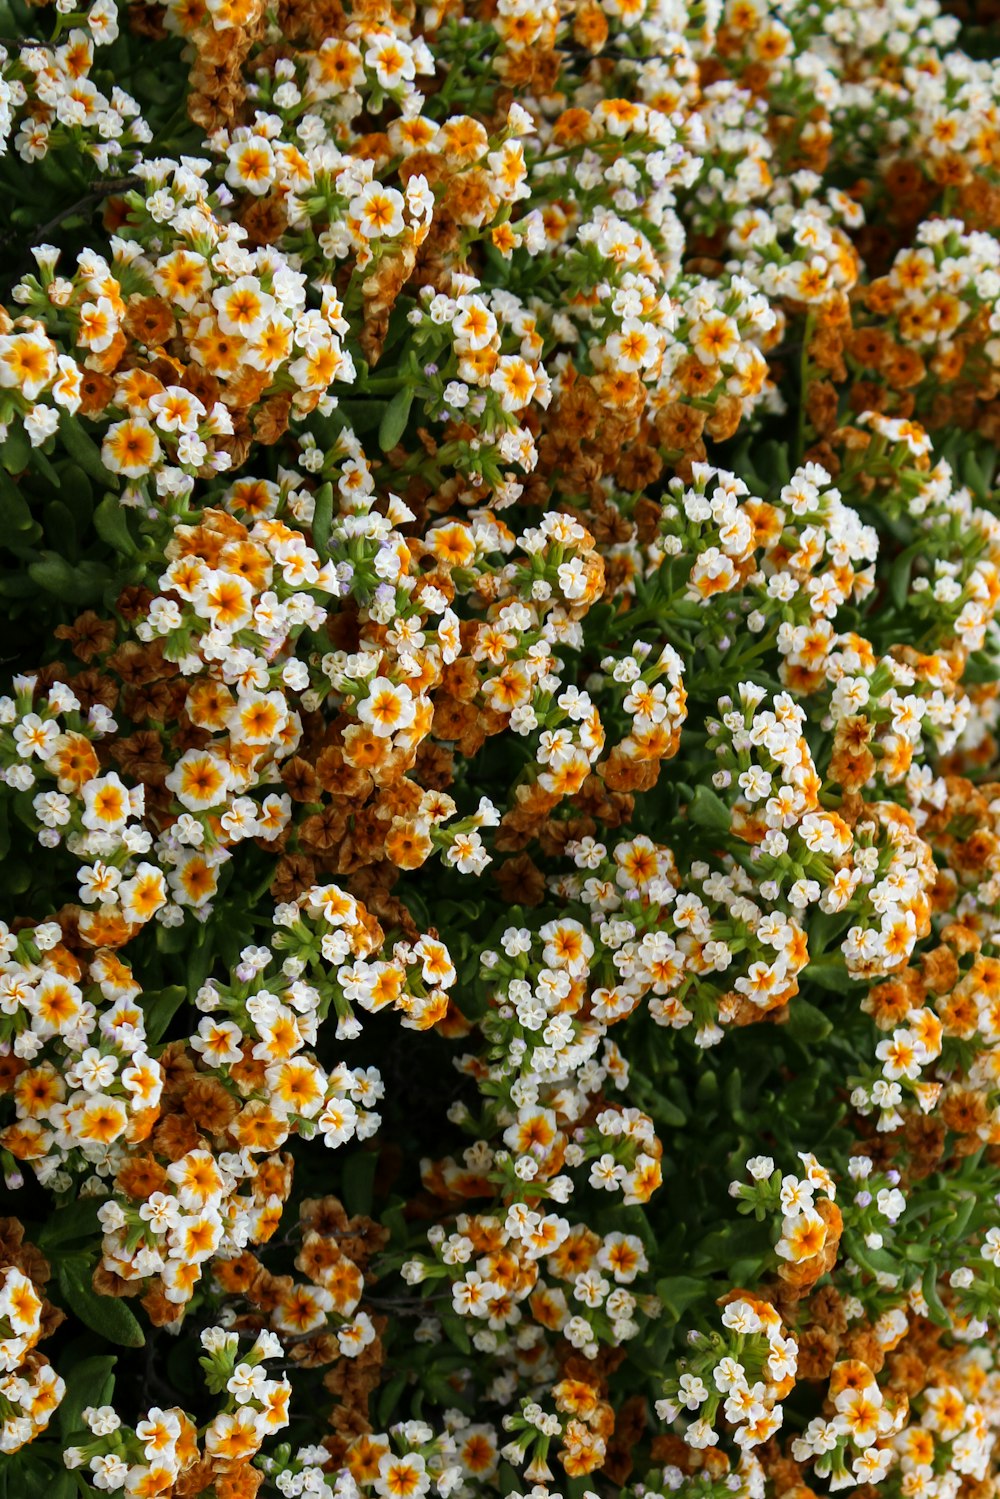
[[500, 776]]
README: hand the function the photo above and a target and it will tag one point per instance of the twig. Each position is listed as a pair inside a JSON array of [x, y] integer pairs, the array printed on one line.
[[99, 191]]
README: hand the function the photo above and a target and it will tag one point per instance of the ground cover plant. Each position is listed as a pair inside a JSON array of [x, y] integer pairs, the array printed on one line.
[[499, 787]]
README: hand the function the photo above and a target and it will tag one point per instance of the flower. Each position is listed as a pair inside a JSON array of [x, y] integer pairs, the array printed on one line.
[[378, 211], [131, 447]]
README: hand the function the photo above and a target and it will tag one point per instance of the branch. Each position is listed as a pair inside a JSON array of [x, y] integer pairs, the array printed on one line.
[[98, 192]]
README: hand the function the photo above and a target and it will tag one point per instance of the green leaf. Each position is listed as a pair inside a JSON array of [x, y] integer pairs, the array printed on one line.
[[362, 416], [899, 579], [828, 973], [82, 584], [733, 1241], [15, 877], [678, 1292], [978, 468], [60, 529], [173, 939], [393, 423], [78, 1220], [34, 1475], [201, 959], [228, 938], [91, 1382], [577, 1488], [160, 1008], [807, 1022], [394, 1219], [106, 1315], [875, 1261], [15, 512], [455, 1329], [82, 448], [61, 1486], [111, 525], [635, 1220], [399, 326], [981, 667], [77, 491], [322, 519], [668, 1113], [710, 811], [389, 1398], [964, 1208], [771, 462], [508, 1479], [935, 1306], [44, 468], [15, 452], [18, 586]]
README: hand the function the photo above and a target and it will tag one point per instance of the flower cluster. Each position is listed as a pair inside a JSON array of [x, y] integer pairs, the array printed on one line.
[[30, 1389], [500, 557]]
